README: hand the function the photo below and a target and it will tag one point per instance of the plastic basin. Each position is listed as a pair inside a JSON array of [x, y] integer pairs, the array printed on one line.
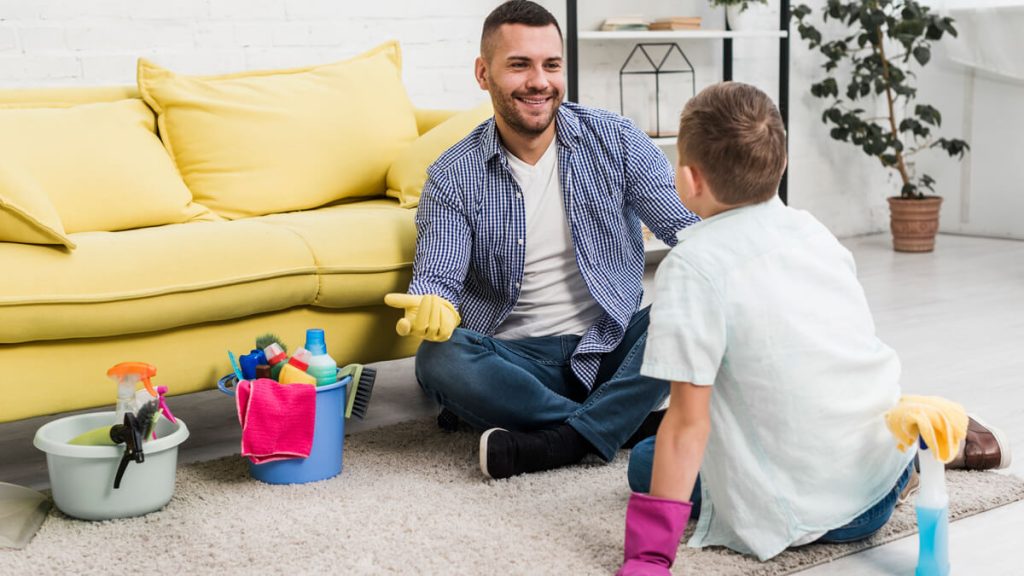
[[82, 477]]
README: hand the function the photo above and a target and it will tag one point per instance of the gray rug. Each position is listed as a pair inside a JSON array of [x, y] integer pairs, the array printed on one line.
[[411, 500]]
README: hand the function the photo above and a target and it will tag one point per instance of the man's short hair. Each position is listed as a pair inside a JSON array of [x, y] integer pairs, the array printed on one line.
[[733, 133], [514, 12]]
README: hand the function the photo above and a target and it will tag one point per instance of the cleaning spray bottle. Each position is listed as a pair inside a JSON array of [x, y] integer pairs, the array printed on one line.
[[936, 426], [127, 375], [932, 506]]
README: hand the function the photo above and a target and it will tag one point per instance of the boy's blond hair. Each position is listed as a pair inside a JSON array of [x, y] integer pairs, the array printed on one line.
[[733, 133]]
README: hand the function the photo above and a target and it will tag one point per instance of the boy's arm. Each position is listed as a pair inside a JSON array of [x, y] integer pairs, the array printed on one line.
[[682, 436], [655, 523]]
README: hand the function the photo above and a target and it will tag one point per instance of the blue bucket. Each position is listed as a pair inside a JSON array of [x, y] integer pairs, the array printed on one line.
[[325, 458]]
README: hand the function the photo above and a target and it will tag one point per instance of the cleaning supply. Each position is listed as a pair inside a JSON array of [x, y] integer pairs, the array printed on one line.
[[235, 366], [127, 375], [321, 365], [276, 358], [937, 426], [294, 372], [360, 389], [277, 421]]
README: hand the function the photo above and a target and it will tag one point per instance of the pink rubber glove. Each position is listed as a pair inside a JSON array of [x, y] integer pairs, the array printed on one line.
[[653, 529]]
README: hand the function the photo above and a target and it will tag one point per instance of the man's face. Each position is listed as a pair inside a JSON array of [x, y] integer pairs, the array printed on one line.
[[524, 75]]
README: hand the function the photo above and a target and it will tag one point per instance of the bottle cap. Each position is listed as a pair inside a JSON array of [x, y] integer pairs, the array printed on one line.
[[315, 341], [300, 359], [274, 353]]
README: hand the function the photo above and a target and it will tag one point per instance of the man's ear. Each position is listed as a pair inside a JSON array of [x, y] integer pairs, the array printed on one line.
[[480, 71]]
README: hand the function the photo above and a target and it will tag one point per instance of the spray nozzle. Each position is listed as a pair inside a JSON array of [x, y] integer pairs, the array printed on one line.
[[130, 433], [127, 375]]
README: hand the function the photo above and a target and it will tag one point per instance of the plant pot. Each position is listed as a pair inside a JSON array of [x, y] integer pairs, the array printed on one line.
[[914, 223], [756, 17]]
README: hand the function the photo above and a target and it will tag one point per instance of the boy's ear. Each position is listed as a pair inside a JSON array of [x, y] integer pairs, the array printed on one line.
[[694, 179]]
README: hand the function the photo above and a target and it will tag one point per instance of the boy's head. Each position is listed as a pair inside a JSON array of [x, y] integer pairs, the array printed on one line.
[[732, 148]]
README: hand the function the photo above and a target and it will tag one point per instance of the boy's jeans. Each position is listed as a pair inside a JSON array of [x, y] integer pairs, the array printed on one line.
[[641, 462], [527, 385]]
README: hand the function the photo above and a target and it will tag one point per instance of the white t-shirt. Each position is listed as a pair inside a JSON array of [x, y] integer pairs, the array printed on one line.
[[554, 298], [763, 303]]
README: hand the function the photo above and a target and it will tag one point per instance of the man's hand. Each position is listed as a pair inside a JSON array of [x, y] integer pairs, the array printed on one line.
[[428, 316]]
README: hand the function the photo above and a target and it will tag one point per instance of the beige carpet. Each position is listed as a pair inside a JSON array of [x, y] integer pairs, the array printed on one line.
[[411, 500]]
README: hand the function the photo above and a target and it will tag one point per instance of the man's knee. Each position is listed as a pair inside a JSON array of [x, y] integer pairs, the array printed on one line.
[[439, 363]]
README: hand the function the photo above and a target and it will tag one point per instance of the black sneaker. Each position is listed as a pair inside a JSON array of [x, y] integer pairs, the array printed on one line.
[[447, 420], [504, 454]]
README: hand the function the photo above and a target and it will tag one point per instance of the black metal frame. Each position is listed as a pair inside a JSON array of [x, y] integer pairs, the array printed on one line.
[[572, 66], [657, 71]]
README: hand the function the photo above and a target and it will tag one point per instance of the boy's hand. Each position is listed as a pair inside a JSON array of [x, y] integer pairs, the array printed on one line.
[[428, 316], [653, 529]]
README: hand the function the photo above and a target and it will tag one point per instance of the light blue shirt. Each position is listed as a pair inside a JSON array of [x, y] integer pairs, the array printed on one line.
[[471, 223], [763, 303]]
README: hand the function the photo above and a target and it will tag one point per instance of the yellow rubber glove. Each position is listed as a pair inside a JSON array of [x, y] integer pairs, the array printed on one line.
[[941, 423], [428, 316]]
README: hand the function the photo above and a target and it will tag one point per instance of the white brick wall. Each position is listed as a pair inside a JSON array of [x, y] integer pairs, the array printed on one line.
[[97, 42]]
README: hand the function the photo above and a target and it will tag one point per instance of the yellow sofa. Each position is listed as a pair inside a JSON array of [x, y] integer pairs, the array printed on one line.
[[245, 225]]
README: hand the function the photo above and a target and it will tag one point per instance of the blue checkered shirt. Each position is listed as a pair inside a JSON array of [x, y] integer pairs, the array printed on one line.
[[471, 223]]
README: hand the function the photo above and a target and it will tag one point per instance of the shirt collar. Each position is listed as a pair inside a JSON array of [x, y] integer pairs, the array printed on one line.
[[773, 203]]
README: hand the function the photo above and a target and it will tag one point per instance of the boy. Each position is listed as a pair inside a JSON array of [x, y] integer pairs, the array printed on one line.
[[760, 304]]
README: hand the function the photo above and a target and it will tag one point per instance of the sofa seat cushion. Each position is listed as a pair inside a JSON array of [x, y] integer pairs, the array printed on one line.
[[363, 250], [152, 279]]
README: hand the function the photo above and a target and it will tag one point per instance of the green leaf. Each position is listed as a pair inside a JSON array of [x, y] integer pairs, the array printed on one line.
[[928, 114], [922, 54]]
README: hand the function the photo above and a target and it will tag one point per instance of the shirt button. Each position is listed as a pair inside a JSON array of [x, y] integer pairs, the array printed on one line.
[[518, 285], [519, 195], [520, 241]]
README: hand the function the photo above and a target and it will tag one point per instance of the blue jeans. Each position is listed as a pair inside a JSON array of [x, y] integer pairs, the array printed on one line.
[[641, 462], [528, 384]]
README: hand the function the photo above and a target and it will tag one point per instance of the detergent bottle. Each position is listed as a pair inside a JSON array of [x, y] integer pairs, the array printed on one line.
[[321, 365], [932, 506], [127, 375], [294, 372]]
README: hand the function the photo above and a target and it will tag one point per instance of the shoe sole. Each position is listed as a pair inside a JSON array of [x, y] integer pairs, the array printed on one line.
[[483, 451], [1005, 457]]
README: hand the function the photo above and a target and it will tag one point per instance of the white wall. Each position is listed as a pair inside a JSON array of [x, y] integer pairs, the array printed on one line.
[[96, 42]]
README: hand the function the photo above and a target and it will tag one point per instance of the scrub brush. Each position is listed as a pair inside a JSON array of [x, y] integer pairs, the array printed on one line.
[[264, 340], [360, 389]]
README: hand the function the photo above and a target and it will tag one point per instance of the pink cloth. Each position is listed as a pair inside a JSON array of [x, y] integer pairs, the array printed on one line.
[[277, 419]]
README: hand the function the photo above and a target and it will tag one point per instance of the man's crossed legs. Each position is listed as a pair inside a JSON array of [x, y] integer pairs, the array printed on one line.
[[535, 412]]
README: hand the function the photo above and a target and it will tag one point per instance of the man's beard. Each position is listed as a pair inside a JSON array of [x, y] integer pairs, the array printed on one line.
[[517, 121]]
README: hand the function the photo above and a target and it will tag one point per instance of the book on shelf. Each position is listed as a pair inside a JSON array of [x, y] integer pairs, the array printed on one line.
[[620, 23], [676, 23]]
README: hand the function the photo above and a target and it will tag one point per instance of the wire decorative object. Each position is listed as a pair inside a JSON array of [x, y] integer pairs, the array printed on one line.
[[657, 67]]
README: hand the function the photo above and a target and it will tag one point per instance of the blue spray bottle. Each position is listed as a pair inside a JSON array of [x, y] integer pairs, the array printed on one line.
[[932, 504]]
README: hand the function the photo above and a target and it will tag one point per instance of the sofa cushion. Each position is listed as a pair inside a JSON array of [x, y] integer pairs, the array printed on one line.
[[363, 250], [113, 174], [265, 142], [26, 214], [152, 279], [409, 171]]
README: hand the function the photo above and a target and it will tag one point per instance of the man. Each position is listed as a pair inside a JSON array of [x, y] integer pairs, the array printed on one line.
[[529, 236]]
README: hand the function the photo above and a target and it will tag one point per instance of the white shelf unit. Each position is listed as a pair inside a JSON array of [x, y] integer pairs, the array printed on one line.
[[726, 36], [682, 34]]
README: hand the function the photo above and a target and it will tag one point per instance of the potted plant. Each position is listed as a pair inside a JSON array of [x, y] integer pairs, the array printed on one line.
[[738, 18], [886, 40]]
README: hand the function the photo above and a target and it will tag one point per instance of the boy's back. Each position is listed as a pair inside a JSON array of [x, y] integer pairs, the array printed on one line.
[[763, 302]]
